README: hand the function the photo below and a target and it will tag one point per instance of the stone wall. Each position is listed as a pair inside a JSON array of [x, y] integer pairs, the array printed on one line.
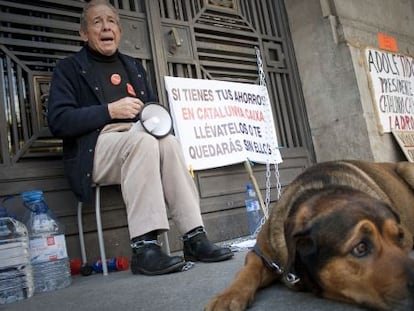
[[330, 38]]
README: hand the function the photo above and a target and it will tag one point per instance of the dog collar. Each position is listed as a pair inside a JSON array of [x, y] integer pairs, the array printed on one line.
[[277, 268], [273, 265]]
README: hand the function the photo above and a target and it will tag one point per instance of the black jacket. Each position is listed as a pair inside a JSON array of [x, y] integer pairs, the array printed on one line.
[[77, 113]]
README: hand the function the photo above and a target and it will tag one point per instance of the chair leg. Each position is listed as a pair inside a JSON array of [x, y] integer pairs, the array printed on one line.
[[81, 235], [99, 229], [100, 232]]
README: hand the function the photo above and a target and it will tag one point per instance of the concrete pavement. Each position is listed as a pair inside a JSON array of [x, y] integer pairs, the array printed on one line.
[[184, 291]]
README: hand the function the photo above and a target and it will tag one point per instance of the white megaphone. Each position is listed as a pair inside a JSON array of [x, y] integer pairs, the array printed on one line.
[[154, 119]]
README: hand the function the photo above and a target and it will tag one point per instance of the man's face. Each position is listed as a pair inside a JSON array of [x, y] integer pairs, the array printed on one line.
[[103, 31]]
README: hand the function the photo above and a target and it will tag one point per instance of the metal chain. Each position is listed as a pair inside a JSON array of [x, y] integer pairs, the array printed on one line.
[[278, 184], [262, 82]]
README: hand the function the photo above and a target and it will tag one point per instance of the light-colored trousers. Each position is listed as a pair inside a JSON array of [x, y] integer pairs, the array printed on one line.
[[153, 177]]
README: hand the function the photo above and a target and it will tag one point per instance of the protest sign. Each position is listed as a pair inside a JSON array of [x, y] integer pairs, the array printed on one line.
[[220, 123], [406, 141], [392, 86]]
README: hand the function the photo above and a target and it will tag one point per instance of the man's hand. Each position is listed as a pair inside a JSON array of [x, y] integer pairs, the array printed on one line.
[[125, 108]]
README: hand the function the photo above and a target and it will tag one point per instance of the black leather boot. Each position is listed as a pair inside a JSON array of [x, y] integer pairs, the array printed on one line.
[[148, 258], [198, 248]]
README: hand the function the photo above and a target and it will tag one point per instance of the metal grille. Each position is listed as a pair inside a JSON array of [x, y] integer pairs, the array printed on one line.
[[208, 39], [33, 38], [225, 34]]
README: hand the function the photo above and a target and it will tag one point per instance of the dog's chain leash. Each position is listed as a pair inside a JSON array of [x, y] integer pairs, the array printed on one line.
[[262, 82], [290, 278]]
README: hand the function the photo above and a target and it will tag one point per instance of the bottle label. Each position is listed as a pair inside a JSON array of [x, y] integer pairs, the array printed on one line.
[[13, 254], [252, 206], [48, 248], [43, 223]]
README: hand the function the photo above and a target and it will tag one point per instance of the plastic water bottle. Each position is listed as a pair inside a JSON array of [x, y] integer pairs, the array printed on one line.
[[49, 258], [16, 278], [253, 211]]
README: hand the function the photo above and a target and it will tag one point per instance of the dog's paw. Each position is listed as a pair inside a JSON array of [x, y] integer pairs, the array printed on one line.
[[228, 301]]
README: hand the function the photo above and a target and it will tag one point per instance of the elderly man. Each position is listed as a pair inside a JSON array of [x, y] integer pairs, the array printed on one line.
[[95, 97]]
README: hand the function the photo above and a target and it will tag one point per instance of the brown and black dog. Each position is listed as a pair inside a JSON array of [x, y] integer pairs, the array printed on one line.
[[343, 230]]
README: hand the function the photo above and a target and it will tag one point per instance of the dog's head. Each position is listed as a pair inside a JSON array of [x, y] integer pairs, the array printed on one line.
[[347, 246]]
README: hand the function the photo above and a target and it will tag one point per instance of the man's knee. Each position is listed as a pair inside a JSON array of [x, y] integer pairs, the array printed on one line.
[[169, 143], [145, 143]]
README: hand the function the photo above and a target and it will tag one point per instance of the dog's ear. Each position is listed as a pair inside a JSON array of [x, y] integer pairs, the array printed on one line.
[[302, 249]]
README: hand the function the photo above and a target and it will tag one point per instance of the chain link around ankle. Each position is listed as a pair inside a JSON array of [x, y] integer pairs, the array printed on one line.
[[192, 234], [140, 244]]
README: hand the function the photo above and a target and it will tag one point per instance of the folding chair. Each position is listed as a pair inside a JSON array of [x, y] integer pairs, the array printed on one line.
[[100, 232]]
